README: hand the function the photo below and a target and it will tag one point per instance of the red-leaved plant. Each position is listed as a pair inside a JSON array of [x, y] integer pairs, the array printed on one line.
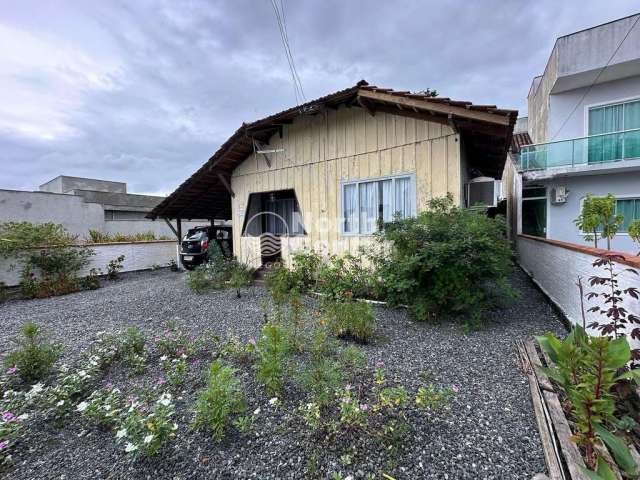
[[618, 319]]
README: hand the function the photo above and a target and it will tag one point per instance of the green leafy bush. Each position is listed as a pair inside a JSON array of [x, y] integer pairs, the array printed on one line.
[[147, 428], [174, 341], [634, 232], [282, 284], [218, 271], [346, 277], [35, 356], [322, 378], [239, 276], [305, 264], [114, 267], [221, 399], [272, 350], [350, 319], [446, 260], [587, 369]]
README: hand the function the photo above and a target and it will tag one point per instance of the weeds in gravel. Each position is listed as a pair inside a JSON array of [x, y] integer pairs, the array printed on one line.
[[350, 319], [272, 350], [221, 399], [133, 351], [175, 370], [174, 341], [322, 378], [35, 355]]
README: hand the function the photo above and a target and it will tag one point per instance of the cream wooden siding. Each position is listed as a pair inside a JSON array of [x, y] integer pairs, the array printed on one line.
[[321, 151]]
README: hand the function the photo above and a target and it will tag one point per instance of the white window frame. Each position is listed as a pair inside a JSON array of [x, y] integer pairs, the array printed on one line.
[[412, 194], [609, 103]]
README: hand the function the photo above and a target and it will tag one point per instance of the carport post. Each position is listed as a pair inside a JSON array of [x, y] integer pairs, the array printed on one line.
[[179, 234]]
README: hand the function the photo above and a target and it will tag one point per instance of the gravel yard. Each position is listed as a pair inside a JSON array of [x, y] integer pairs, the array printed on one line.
[[489, 431]]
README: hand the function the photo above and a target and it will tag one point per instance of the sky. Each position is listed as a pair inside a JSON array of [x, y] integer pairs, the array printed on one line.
[[145, 91]]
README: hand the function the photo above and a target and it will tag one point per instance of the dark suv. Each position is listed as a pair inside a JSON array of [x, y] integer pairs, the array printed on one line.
[[194, 245]]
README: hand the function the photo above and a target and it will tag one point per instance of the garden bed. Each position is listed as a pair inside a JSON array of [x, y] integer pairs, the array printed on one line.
[[488, 430]]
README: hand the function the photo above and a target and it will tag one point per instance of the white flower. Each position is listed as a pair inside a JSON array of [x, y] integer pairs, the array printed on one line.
[[23, 417], [165, 399], [273, 401], [256, 411], [163, 358], [37, 388], [184, 355], [148, 438], [60, 403], [130, 447], [82, 406], [121, 433]]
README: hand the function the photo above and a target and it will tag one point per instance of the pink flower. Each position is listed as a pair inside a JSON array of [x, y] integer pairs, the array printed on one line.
[[4, 444], [455, 388], [380, 364], [8, 417], [12, 370], [109, 385], [252, 341], [161, 381], [364, 407]]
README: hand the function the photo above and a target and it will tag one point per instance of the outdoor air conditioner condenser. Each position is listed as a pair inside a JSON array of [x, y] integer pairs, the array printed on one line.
[[483, 190]]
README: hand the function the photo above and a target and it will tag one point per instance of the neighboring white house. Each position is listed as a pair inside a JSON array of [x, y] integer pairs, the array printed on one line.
[[83, 204], [584, 125]]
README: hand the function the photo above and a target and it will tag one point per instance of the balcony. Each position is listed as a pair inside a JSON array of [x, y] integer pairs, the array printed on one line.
[[595, 150]]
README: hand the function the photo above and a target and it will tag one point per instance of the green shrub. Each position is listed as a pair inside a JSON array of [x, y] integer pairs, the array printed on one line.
[[351, 319], [352, 357], [114, 266], [587, 369], [272, 350], [175, 342], [322, 378], [447, 260], [282, 284], [634, 232], [35, 356], [91, 281], [346, 277], [305, 265], [221, 399], [239, 276]]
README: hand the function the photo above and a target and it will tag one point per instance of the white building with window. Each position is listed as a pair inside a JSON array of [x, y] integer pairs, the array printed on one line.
[[584, 125]]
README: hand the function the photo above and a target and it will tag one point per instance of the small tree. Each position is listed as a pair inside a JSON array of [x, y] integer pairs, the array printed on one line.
[[598, 217], [634, 232]]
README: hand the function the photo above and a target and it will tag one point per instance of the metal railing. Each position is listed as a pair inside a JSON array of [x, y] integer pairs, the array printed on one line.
[[592, 150]]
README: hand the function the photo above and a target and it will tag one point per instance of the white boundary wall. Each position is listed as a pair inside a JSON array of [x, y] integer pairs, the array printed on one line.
[[555, 268], [137, 256]]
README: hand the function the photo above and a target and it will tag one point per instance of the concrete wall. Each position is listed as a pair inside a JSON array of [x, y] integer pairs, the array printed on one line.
[[560, 218], [556, 269], [138, 256], [40, 207], [77, 216], [66, 184]]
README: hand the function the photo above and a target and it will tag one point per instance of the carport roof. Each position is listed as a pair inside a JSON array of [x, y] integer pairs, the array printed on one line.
[[205, 194]]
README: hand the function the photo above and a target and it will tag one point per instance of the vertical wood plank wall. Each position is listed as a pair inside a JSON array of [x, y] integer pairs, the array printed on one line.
[[321, 151]]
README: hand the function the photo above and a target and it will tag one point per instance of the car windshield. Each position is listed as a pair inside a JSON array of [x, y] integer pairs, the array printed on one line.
[[196, 235]]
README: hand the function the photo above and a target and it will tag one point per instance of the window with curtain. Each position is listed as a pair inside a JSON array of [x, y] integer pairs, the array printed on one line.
[[629, 208], [368, 203], [616, 132], [280, 211]]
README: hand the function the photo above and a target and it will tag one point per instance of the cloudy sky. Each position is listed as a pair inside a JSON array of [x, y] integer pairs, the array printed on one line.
[[145, 91]]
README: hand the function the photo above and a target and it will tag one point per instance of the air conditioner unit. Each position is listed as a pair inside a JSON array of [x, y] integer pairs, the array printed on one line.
[[483, 190], [559, 195]]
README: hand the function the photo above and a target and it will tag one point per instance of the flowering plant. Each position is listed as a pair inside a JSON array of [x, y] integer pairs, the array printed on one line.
[[104, 406], [174, 342], [144, 429], [174, 369]]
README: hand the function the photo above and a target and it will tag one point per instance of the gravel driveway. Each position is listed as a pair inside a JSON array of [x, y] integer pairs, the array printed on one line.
[[489, 433]]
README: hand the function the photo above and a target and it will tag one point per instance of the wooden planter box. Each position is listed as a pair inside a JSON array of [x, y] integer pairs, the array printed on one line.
[[562, 456]]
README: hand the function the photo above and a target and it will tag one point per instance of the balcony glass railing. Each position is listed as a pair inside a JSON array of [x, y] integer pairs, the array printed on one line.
[[593, 150]]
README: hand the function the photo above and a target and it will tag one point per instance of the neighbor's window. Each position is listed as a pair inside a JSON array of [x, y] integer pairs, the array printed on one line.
[[617, 132], [366, 203], [629, 208]]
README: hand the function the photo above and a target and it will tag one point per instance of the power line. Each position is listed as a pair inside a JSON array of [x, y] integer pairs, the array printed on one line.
[[595, 80], [295, 78]]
